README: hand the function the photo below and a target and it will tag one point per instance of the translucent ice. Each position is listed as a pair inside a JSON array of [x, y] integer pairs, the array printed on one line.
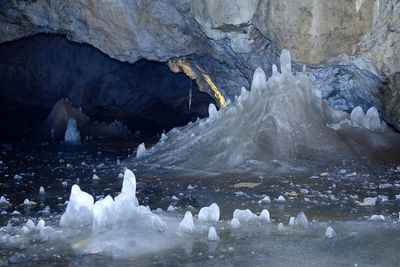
[[368, 201], [281, 199], [171, 208], [102, 213], [280, 124], [72, 135], [126, 200], [330, 233], [277, 119], [292, 221], [377, 218], [301, 220], [371, 120], [259, 81], [79, 210], [141, 151], [244, 215], [357, 116], [212, 111], [41, 190], [212, 234], [286, 62], [265, 200], [265, 216], [209, 214], [187, 225], [95, 177], [235, 223], [3, 201]]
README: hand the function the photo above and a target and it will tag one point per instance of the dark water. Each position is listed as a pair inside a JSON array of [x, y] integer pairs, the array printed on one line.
[[329, 198]]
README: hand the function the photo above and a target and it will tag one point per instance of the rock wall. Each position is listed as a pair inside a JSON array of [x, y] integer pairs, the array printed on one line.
[[226, 39]]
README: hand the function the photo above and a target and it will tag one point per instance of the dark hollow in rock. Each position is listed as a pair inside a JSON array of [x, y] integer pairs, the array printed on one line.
[[38, 71]]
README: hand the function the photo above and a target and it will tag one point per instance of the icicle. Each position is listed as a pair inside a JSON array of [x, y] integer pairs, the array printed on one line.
[[190, 95]]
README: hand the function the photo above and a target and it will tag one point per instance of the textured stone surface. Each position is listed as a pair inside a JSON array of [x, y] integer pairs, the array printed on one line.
[[383, 43], [314, 30]]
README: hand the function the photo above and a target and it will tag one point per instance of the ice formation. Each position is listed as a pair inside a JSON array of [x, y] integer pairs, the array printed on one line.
[[281, 199], [377, 218], [212, 234], [370, 120], [244, 215], [282, 120], [117, 223], [187, 225], [292, 221], [368, 201], [72, 135], [209, 214], [141, 151], [235, 223], [265, 216], [301, 220], [79, 210], [330, 233], [265, 200], [41, 190], [280, 124], [4, 201]]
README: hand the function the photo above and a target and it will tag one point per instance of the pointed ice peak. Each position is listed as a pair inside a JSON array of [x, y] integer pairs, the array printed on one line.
[[372, 120], [274, 70], [212, 111], [259, 80], [286, 62], [357, 115], [129, 183], [141, 150]]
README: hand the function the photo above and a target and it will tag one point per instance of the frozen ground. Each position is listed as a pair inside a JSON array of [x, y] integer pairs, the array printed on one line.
[[344, 197]]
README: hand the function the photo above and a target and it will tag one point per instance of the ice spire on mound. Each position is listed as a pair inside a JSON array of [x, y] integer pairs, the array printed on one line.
[[259, 81], [79, 210], [286, 62], [370, 120], [105, 213], [281, 122]]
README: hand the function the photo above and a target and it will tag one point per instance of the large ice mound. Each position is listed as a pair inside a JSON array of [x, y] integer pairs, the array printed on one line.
[[281, 122]]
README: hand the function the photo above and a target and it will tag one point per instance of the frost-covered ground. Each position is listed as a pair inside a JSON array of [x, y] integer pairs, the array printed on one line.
[[344, 197]]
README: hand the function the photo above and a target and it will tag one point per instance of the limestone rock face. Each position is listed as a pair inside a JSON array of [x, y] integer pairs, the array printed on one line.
[[314, 30], [382, 43]]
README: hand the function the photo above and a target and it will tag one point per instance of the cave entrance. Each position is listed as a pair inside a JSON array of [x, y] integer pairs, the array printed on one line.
[[45, 69]]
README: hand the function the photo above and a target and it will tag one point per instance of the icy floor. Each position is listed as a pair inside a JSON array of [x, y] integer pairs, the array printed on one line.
[[343, 197]]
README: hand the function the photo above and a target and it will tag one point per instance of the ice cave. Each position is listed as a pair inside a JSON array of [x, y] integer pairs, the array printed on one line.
[[195, 133]]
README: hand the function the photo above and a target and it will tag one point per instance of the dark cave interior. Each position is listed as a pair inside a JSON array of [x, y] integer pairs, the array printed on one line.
[[39, 70]]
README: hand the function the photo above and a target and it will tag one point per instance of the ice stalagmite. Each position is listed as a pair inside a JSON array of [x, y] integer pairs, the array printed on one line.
[[280, 124], [209, 214], [79, 210], [72, 135]]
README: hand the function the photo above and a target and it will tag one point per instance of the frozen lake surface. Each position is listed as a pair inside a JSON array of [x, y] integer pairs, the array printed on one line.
[[344, 197]]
